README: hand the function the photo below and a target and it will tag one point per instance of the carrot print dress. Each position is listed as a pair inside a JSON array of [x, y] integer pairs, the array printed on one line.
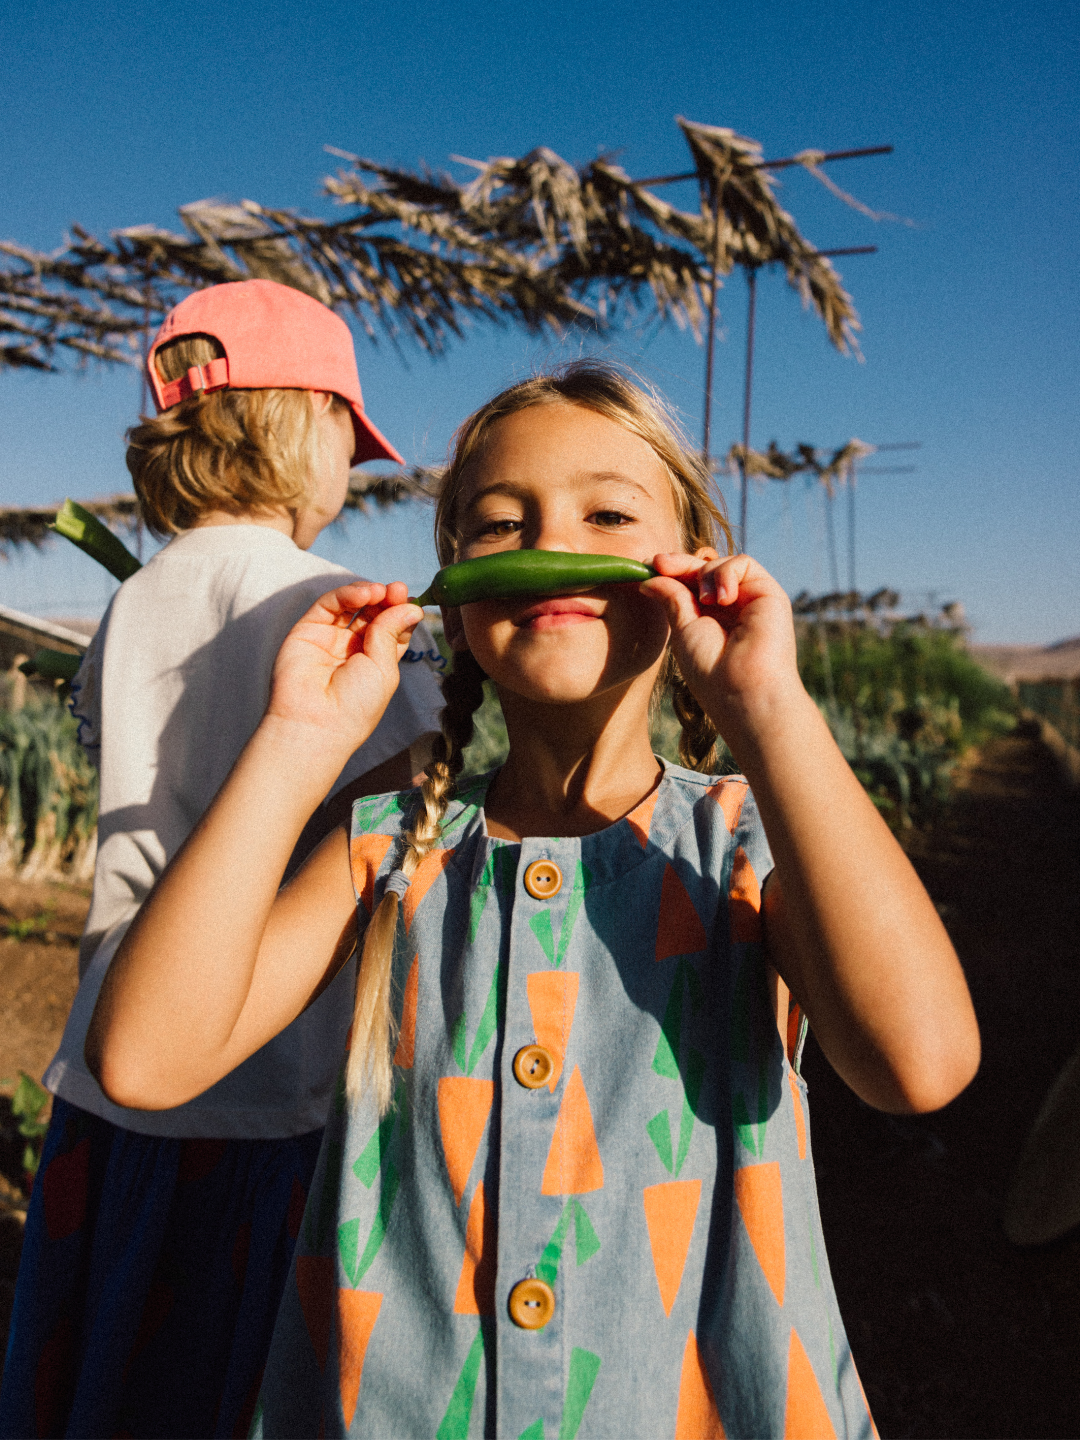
[[591, 1210]]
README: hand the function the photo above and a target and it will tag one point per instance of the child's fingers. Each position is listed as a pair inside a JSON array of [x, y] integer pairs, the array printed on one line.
[[700, 575], [677, 598], [719, 581], [385, 637], [363, 598]]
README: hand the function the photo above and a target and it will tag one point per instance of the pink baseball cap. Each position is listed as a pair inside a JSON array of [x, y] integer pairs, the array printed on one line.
[[274, 337]]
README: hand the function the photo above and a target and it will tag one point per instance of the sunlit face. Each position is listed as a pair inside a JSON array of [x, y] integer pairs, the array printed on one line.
[[560, 477], [335, 442]]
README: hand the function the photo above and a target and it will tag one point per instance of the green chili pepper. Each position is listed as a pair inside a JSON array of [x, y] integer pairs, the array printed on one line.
[[529, 572], [96, 539]]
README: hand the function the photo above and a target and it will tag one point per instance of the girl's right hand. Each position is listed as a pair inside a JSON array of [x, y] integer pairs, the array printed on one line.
[[338, 666]]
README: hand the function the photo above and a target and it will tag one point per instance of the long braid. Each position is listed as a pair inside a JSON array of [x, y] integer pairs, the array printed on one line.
[[374, 1027], [697, 741]]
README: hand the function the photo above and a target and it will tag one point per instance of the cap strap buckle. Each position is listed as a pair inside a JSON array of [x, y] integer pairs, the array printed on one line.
[[214, 376]]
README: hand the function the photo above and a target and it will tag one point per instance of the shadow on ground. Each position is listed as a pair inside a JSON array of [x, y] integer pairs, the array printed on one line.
[[957, 1332]]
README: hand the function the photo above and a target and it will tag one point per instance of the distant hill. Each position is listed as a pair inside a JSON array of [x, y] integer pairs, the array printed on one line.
[[1060, 661]]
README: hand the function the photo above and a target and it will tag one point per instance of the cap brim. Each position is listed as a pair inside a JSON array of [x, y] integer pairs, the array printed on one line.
[[370, 444]]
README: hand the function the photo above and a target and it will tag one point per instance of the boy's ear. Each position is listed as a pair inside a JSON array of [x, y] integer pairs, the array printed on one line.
[[453, 629]]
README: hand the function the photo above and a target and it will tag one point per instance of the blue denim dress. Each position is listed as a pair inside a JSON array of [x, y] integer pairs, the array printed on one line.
[[591, 1210]]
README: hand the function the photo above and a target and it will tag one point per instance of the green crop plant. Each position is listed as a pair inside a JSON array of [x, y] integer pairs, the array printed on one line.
[[48, 793], [27, 1105], [32, 927], [904, 700]]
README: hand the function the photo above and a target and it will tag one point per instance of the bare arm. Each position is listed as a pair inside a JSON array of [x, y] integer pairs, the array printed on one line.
[[218, 960], [848, 924], [401, 772]]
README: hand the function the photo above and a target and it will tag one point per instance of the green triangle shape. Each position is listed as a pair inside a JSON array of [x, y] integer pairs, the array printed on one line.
[[586, 1238], [584, 1368], [540, 925], [659, 1129], [455, 1423]]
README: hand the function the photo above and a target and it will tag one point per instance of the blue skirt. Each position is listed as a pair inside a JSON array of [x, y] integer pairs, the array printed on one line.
[[150, 1279]]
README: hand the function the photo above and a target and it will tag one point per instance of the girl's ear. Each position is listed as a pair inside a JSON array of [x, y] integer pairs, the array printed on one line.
[[453, 629], [321, 401]]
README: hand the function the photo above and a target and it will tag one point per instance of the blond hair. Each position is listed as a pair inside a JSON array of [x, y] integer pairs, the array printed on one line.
[[597, 386], [631, 403], [241, 451]]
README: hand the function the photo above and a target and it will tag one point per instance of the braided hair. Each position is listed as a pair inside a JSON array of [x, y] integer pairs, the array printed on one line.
[[374, 1027]]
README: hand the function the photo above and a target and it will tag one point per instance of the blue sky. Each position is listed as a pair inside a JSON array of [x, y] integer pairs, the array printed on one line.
[[117, 113]]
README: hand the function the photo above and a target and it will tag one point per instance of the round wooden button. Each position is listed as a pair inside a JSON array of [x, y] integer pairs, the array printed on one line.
[[532, 1304], [543, 879], [533, 1066]]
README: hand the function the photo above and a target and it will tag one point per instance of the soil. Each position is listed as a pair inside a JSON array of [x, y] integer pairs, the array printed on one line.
[[955, 1331], [40, 925]]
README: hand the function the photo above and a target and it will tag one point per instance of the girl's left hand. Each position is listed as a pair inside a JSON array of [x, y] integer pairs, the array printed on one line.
[[846, 921], [732, 634]]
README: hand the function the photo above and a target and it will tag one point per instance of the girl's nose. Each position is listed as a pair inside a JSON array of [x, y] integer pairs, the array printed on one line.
[[550, 534]]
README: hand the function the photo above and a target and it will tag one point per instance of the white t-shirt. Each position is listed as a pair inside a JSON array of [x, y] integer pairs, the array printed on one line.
[[171, 689]]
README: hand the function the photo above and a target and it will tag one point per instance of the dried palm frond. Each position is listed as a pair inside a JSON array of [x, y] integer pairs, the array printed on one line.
[[755, 231], [601, 233], [97, 299], [774, 464], [533, 241], [571, 228], [839, 469], [29, 524], [50, 303], [811, 160], [419, 482]]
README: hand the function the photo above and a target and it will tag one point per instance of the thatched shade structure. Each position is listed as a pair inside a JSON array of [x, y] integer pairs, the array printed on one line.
[[99, 300], [606, 237], [533, 241]]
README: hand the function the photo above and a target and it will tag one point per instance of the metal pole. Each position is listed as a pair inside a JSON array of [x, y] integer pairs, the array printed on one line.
[[744, 489], [834, 569], [768, 165], [851, 528], [710, 341], [144, 392]]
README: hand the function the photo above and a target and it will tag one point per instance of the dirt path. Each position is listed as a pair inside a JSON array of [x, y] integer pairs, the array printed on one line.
[[955, 1331], [40, 925]]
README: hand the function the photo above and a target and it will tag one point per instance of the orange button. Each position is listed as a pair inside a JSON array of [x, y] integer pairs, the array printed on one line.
[[533, 1066], [532, 1304], [543, 879]]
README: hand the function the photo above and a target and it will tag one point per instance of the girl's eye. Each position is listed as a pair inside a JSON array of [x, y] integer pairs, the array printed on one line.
[[611, 519], [495, 528]]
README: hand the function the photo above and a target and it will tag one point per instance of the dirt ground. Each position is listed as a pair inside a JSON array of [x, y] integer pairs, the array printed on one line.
[[40, 925], [956, 1332]]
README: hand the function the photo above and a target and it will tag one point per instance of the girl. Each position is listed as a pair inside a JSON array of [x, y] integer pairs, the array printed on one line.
[[158, 1244], [566, 1188]]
